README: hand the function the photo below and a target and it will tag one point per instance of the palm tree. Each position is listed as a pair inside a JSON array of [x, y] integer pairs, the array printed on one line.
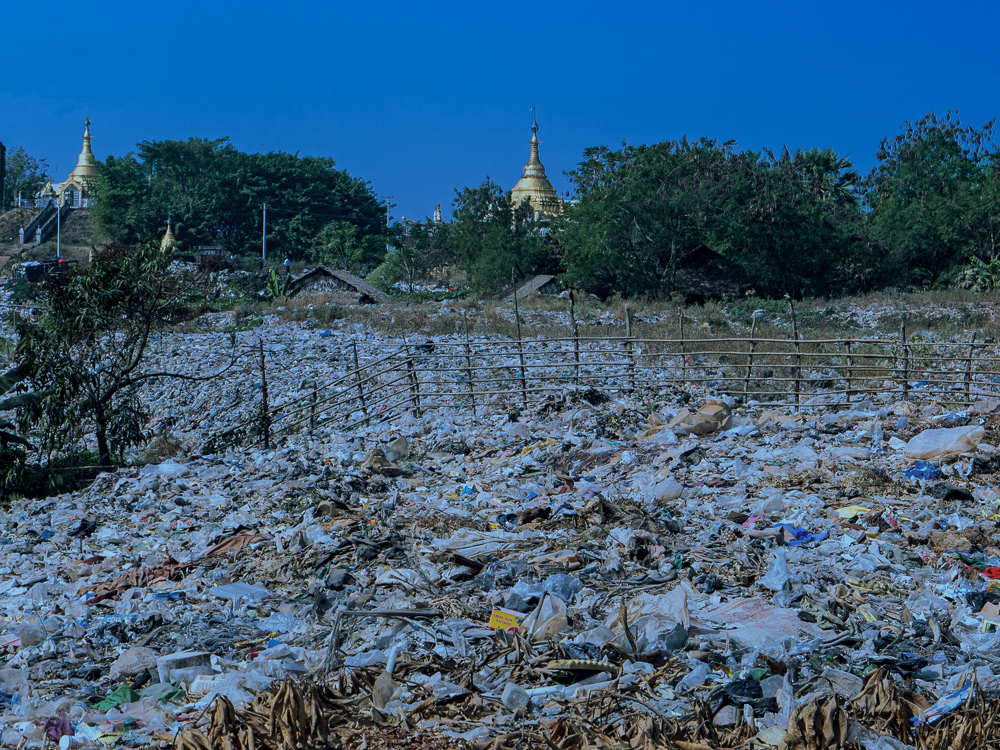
[[830, 174]]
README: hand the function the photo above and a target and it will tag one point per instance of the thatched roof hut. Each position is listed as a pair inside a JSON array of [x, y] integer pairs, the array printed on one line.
[[322, 280], [543, 284]]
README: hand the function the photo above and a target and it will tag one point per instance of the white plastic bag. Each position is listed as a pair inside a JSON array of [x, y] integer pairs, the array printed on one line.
[[548, 618], [945, 444], [778, 575]]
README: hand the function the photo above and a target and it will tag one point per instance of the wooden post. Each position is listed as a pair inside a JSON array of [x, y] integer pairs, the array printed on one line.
[[576, 338], [905, 351], [628, 347], [357, 377], [753, 344], [683, 356], [520, 345], [468, 365], [414, 381], [968, 372], [312, 411], [850, 371], [798, 355], [265, 414]]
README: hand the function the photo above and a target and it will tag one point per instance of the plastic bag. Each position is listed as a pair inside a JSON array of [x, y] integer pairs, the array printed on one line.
[[713, 416], [672, 606], [778, 575], [923, 470], [548, 618], [697, 677], [944, 444]]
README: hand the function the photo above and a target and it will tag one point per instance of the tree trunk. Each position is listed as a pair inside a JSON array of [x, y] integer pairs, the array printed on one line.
[[673, 266], [102, 436]]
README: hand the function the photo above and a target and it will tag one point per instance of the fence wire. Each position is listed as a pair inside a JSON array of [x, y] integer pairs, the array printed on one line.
[[493, 376]]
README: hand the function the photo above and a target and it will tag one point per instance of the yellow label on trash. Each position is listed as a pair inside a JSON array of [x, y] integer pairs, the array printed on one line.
[[506, 619], [851, 511]]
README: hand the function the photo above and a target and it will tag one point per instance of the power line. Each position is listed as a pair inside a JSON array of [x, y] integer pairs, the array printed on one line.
[[292, 211]]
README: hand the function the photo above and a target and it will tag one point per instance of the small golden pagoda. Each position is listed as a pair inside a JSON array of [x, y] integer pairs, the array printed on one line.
[[534, 185], [168, 240]]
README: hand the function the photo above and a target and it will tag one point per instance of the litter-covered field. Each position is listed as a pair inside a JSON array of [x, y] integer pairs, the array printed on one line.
[[592, 567]]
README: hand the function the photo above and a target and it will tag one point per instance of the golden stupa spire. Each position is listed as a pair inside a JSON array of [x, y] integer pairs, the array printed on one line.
[[168, 236], [534, 160], [534, 184], [86, 165]]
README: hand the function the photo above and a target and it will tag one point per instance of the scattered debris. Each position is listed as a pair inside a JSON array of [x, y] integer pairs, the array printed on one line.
[[594, 570]]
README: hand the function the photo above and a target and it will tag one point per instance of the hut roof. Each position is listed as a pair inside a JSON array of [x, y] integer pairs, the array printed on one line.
[[355, 282], [529, 287]]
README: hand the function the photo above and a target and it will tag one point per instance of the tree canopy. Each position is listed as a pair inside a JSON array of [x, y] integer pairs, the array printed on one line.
[[787, 223], [935, 197], [214, 193], [639, 211], [493, 238], [86, 353], [25, 176], [798, 222]]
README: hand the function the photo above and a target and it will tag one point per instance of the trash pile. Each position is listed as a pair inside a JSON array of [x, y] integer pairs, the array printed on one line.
[[592, 572]]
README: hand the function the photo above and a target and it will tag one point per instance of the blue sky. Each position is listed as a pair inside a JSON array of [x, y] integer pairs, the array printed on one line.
[[423, 98]]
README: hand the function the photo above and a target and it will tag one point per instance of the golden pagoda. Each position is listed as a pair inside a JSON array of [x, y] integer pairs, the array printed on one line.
[[76, 190], [534, 185], [168, 240]]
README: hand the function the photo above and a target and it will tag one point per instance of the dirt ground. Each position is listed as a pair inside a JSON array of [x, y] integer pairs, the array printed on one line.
[[78, 236]]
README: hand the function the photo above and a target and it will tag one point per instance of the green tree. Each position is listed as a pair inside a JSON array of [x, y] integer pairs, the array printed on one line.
[[124, 208], [639, 211], [492, 237], [417, 248], [13, 456], [342, 244], [793, 223], [86, 354], [934, 197], [215, 195], [790, 224], [26, 175]]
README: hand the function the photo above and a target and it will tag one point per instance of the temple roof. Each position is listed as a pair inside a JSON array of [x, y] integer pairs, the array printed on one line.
[[168, 238], [86, 165], [534, 184]]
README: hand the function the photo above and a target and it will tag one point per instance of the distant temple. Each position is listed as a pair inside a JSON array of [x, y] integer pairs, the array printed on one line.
[[75, 192], [534, 185], [168, 240]]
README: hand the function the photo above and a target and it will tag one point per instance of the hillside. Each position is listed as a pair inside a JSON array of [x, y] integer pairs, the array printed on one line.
[[78, 236]]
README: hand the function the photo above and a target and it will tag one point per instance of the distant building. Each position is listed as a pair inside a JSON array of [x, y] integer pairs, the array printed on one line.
[[343, 284], [535, 186], [168, 240], [543, 284], [76, 191]]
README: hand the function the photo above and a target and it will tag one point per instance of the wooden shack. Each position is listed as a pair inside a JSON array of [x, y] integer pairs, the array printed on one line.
[[341, 284], [543, 284]]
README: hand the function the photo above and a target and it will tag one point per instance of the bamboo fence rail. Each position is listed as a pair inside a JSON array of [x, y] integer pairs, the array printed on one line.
[[494, 375]]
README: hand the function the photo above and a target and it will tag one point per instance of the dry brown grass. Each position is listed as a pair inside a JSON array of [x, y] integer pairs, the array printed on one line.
[[944, 315]]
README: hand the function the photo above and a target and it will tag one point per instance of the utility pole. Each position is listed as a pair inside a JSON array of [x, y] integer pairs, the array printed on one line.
[[59, 228], [388, 208], [3, 178], [263, 239]]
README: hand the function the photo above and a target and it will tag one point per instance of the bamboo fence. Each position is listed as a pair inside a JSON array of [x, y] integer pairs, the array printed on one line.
[[487, 376]]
